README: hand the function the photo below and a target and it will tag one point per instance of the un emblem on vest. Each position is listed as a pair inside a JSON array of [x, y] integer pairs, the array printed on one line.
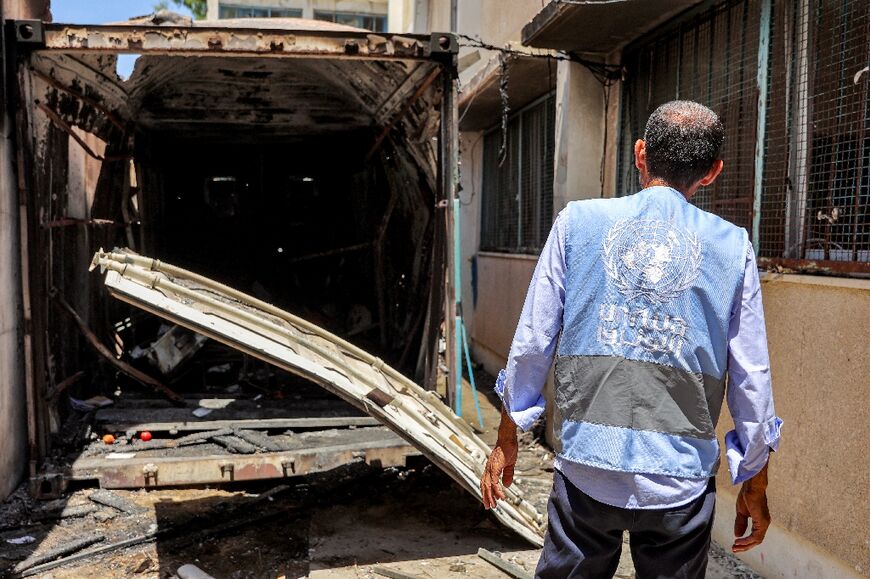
[[651, 259]]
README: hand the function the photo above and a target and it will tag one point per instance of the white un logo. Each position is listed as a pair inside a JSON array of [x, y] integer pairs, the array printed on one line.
[[651, 259]]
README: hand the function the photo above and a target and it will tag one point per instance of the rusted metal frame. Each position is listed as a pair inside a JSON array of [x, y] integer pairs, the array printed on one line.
[[407, 106], [152, 472], [235, 41], [426, 367], [815, 265], [81, 96], [95, 342], [449, 167], [64, 126], [30, 247]]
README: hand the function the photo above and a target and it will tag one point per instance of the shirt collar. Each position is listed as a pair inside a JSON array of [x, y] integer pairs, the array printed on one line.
[[661, 189]]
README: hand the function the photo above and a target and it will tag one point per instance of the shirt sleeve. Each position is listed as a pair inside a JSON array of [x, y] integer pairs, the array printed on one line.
[[520, 384], [750, 396]]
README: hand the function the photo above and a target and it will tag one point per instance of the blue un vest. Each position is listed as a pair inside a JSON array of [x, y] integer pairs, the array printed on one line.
[[640, 369]]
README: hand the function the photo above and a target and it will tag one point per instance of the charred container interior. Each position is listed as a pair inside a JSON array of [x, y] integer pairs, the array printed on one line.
[[300, 164]]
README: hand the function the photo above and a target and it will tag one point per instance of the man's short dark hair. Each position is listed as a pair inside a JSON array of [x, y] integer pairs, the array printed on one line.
[[683, 140]]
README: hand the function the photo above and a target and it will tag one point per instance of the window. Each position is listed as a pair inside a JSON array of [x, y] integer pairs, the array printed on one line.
[[373, 22], [517, 192], [785, 77], [227, 11]]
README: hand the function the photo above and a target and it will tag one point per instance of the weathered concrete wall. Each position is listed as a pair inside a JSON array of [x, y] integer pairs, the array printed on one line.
[[503, 280], [502, 22], [579, 136], [819, 337]]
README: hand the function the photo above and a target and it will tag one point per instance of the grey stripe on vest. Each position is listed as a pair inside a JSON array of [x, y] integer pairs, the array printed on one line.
[[614, 391]]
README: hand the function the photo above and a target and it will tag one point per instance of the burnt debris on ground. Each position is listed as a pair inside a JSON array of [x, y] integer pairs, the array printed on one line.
[[347, 520]]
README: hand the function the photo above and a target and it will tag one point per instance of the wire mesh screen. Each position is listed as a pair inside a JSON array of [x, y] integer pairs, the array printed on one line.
[[815, 180], [712, 59], [517, 194], [836, 143]]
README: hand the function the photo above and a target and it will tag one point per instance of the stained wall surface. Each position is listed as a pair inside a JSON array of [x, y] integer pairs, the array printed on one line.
[[13, 426], [819, 337]]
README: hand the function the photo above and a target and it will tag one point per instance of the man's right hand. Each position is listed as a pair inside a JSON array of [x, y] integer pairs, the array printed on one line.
[[751, 504], [501, 463]]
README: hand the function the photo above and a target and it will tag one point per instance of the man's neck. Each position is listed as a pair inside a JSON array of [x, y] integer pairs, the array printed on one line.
[[656, 182]]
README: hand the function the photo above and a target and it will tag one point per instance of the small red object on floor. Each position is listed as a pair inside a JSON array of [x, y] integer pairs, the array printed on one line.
[[145, 436], [109, 439]]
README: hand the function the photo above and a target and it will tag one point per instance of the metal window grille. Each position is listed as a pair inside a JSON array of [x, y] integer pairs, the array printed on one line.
[[517, 195], [786, 72]]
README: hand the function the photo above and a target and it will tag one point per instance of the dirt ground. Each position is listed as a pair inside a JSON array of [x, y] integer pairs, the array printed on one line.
[[341, 524], [346, 523]]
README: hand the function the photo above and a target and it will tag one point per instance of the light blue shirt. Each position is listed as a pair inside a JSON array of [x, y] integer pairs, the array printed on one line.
[[750, 400]]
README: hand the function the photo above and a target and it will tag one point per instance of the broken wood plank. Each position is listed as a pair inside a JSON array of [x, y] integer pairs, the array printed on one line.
[[509, 568], [196, 438], [235, 444], [384, 572], [61, 386], [260, 440], [62, 511], [252, 423], [65, 549], [147, 538], [110, 499]]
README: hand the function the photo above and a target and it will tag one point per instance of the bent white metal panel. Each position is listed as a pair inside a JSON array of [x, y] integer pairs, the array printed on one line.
[[262, 330]]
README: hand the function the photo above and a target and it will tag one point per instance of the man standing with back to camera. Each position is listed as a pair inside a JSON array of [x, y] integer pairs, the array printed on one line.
[[646, 302]]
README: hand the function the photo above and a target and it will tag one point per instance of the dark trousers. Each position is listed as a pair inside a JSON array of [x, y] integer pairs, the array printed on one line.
[[584, 538]]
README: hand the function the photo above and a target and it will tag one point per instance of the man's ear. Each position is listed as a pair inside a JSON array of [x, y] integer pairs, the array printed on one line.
[[712, 173], [640, 155]]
